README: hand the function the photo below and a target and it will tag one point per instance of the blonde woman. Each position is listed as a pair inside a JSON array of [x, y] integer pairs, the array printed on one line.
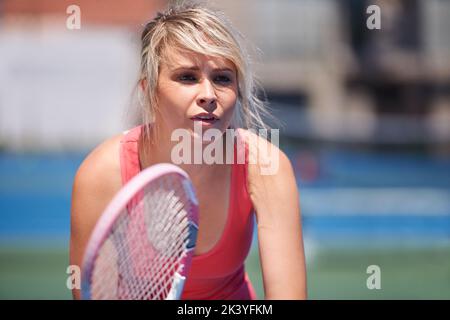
[[196, 74]]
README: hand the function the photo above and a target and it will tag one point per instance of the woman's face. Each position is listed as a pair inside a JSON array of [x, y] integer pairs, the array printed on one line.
[[196, 89]]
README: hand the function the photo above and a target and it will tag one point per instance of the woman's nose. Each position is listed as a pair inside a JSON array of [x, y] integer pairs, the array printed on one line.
[[207, 96]]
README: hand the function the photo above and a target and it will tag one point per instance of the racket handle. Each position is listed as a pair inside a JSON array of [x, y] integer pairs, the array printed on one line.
[[177, 287]]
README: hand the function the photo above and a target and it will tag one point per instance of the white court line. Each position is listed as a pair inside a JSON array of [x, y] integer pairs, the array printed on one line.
[[375, 201]]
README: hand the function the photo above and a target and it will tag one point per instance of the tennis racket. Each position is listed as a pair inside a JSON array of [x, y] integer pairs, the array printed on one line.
[[142, 246]]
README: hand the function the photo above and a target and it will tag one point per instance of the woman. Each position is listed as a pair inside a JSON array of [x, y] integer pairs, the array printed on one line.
[[195, 74]]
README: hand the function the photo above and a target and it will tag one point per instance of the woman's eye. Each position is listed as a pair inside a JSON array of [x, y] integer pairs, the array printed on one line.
[[187, 78], [223, 79]]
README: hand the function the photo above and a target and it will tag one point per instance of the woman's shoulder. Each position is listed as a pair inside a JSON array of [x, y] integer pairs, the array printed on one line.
[[269, 167], [100, 170], [96, 182], [264, 154], [258, 138]]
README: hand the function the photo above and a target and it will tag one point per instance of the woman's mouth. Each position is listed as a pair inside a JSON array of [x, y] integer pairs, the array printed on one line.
[[205, 119]]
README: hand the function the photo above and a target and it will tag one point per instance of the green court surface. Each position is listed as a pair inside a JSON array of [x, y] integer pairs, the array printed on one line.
[[40, 273], [33, 273], [340, 273]]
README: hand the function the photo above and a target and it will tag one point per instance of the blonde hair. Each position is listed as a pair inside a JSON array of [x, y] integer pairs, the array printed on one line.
[[201, 30]]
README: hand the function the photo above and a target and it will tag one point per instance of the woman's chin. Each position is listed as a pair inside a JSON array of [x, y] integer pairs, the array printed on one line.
[[204, 135], [201, 138]]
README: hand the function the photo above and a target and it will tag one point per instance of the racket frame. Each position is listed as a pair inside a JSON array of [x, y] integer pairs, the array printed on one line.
[[112, 212]]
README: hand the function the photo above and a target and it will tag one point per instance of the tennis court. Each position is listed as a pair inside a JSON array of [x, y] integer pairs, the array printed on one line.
[[39, 273], [341, 239]]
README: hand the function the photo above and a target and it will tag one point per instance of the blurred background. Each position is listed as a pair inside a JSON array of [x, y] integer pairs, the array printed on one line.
[[366, 124]]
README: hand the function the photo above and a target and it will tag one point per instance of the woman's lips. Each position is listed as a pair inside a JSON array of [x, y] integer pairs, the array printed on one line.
[[205, 122], [205, 119]]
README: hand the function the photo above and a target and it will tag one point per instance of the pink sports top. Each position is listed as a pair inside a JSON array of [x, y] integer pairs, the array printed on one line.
[[218, 274]]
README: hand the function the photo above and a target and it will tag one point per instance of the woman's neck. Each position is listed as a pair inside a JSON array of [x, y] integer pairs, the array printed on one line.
[[156, 147]]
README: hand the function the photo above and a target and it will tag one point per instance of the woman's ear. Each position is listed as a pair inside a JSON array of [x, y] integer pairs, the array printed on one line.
[[143, 84]]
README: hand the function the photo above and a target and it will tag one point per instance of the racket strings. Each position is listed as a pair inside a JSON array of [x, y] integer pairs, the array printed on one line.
[[139, 276], [170, 246], [115, 258], [146, 246], [130, 281], [107, 258], [106, 271], [160, 230], [138, 254]]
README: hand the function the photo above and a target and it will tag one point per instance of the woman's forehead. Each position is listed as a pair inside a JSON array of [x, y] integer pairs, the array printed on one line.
[[179, 58]]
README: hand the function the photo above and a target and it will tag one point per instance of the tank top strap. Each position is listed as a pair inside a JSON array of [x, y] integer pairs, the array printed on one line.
[[242, 160], [129, 154]]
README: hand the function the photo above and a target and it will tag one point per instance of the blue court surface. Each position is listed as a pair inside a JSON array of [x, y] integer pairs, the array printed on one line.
[[358, 209]]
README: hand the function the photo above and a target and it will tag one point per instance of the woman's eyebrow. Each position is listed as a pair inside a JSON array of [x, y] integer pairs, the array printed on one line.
[[224, 69], [195, 68]]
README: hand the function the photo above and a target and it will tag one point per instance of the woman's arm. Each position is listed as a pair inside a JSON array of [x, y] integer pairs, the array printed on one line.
[[96, 182], [276, 201]]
